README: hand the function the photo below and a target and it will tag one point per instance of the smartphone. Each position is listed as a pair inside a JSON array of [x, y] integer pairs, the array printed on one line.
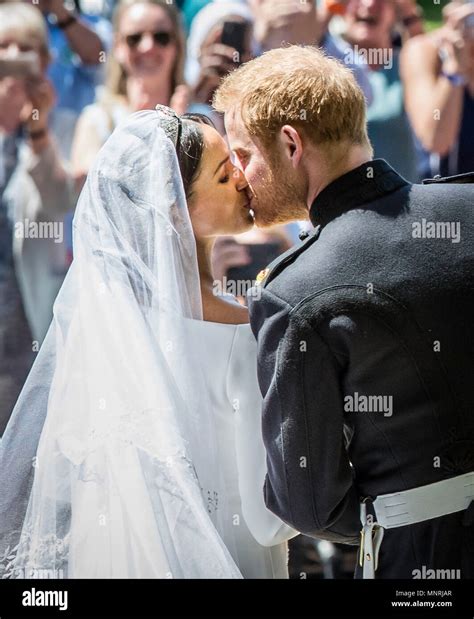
[[23, 65], [234, 35]]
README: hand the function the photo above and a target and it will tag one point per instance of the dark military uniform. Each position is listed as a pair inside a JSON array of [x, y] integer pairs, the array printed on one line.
[[365, 339]]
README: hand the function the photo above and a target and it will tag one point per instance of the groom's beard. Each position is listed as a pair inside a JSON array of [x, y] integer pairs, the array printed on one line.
[[279, 200]]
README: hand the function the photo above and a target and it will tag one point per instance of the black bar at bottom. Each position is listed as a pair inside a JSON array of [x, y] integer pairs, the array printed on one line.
[[249, 598]]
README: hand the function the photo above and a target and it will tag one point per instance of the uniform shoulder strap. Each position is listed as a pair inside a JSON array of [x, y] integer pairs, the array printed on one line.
[[467, 177], [265, 276]]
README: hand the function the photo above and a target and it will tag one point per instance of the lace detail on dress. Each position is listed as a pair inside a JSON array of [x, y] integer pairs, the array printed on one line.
[[131, 428], [48, 559], [7, 559]]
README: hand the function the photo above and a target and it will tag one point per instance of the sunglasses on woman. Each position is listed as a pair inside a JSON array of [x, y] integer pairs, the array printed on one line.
[[160, 37]]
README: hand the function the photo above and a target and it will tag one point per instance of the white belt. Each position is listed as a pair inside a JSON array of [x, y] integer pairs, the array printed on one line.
[[408, 507]]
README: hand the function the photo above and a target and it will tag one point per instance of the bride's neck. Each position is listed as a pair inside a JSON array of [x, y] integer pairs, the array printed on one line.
[[145, 93], [204, 256]]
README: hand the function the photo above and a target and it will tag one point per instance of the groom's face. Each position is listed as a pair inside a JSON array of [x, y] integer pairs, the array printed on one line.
[[278, 193]]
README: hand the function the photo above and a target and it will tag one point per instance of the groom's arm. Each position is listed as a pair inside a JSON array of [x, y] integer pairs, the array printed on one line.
[[309, 483]]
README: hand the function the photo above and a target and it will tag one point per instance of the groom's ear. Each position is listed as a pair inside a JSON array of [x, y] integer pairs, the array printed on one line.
[[291, 144]]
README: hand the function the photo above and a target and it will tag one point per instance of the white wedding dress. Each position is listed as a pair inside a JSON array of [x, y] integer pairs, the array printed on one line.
[[135, 449], [254, 536]]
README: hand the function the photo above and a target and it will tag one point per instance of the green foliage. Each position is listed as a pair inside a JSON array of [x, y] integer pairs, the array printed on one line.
[[433, 9]]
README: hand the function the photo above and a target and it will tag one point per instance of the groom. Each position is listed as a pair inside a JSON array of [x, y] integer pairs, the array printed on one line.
[[364, 330]]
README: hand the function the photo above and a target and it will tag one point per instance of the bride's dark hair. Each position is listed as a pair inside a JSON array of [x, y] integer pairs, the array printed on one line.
[[191, 148]]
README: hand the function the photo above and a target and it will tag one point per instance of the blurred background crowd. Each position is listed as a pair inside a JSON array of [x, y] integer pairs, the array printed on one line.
[[70, 70]]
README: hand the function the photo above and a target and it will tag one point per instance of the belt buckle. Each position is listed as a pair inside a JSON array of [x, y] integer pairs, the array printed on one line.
[[369, 548], [363, 520], [376, 532], [361, 547]]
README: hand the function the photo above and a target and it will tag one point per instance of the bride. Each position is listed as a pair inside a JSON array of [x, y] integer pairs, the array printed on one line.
[[134, 450]]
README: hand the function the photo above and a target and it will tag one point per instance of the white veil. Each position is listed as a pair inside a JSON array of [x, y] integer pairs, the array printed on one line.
[[108, 466]]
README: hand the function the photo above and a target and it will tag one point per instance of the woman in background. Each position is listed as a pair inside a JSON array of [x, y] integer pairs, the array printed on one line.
[[145, 69], [34, 190], [438, 72], [209, 55]]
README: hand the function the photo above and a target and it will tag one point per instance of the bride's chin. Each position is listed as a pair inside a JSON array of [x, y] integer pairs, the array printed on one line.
[[242, 223]]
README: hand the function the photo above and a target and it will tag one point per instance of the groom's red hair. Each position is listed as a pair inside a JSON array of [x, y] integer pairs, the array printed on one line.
[[298, 86]]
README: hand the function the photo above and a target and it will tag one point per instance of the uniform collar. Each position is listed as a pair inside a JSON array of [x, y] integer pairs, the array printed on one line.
[[360, 186]]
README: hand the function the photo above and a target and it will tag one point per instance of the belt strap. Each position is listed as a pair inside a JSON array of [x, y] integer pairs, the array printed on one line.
[[409, 507], [426, 502]]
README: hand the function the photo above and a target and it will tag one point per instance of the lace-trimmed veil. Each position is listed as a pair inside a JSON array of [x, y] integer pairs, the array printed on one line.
[[108, 467]]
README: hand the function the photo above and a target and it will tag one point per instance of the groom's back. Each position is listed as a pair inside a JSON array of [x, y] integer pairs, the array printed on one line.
[[392, 295], [385, 294]]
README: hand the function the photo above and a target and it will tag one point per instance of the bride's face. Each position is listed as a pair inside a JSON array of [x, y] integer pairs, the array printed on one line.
[[219, 199]]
